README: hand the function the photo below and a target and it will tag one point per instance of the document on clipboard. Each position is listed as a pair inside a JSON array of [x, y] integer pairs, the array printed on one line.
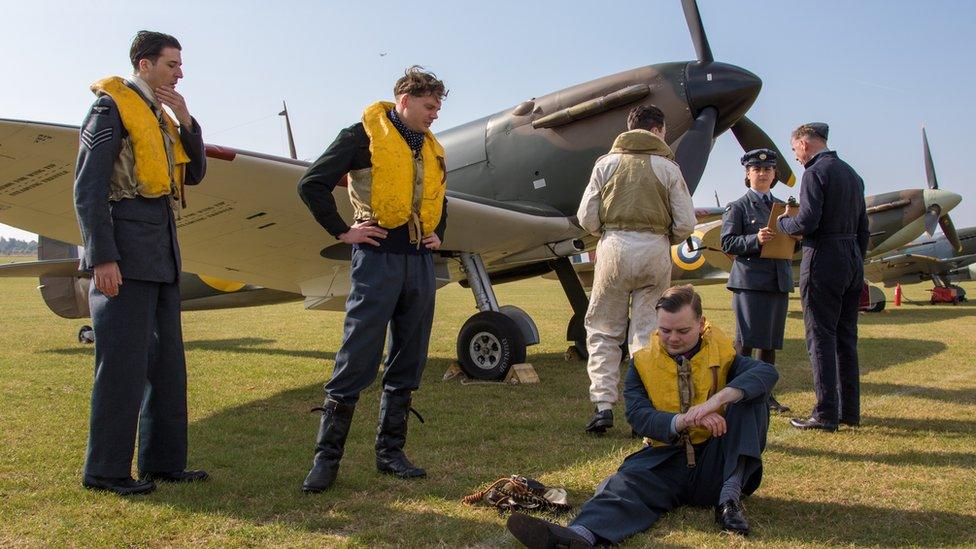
[[782, 246]]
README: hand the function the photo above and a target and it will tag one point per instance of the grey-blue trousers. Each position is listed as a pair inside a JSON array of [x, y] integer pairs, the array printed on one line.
[[140, 380], [387, 289], [656, 480]]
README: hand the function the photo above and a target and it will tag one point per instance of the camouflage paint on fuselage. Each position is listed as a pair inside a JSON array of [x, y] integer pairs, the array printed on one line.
[[897, 218], [544, 170]]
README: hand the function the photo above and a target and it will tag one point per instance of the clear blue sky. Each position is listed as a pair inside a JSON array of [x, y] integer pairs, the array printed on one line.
[[874, 70]]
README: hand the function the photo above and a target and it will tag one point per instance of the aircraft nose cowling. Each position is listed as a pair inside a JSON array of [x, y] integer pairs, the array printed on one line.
[[728, 88], [945, 200]]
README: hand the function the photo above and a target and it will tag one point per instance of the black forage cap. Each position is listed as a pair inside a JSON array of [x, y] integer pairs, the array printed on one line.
[[819, 128], [760, 157]]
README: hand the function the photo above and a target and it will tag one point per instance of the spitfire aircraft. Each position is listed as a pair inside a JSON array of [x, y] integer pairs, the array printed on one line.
[[936, 259], [514, 181]]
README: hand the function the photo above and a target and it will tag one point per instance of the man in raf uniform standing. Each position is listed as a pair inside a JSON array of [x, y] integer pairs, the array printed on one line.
[[703, 411], [397, 185], [834, 225], [133, 163]]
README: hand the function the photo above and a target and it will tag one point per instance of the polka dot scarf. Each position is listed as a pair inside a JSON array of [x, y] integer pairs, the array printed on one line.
[[415, 140]]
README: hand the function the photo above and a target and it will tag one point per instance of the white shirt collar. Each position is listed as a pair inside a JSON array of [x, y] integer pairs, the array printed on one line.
[[760, 195], [144, 88]]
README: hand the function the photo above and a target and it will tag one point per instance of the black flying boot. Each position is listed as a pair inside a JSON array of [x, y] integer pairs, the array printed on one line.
[[391, 436], [336, 419]]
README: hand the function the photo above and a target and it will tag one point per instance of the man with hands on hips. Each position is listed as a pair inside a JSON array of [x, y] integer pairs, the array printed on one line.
[[396, 182]]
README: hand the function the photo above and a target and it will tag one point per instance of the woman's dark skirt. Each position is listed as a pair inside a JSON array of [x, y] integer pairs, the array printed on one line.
[[760, 318]]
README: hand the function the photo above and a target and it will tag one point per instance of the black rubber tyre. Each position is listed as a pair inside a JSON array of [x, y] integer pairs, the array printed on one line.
[[86, 335], [960, 293], [576, 333], [488, 345], [879, 299]]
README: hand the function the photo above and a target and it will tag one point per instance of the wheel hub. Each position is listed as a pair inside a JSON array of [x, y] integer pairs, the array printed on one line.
[[485, 350]]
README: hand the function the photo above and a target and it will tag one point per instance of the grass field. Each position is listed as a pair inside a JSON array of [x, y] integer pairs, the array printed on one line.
[[905, 478]]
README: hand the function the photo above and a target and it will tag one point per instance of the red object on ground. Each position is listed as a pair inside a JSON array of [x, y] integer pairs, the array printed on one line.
[[943, 295], [898, 295]]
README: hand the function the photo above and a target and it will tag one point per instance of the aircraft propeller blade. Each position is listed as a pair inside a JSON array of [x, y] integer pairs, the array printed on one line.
[[932, 215], [929, 165], [695, 146], [750, 136], [949, 230], [697, 30]]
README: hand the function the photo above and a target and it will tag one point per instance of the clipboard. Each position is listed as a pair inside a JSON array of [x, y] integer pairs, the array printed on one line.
[[782, 246]]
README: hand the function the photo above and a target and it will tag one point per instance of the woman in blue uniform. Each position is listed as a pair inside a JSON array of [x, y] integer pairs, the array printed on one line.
[[760, 287]]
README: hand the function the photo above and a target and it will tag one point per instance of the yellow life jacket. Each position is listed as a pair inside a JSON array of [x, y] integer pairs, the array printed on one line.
[[152, 166], [396, 173], [659, 373]]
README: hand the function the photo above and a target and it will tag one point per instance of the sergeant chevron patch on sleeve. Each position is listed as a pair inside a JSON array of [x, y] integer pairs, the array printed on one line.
[[92, 140]]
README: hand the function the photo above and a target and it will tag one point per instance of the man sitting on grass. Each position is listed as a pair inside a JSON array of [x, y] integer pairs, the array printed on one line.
[[703, 412]]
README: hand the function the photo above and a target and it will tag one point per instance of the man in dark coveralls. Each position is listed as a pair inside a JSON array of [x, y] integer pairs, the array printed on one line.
[[396, 182], [703, 410], [133, 163], [834, 225]]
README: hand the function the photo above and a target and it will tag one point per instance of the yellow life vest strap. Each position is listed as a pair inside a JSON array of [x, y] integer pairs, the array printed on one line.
[[686, 392]]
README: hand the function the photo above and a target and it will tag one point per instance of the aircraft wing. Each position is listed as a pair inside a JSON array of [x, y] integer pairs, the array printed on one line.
[[46, 267], [893, 268], [245, 221], [706, 214]]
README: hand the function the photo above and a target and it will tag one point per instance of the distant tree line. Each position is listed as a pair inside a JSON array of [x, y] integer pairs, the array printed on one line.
[[12, 246]]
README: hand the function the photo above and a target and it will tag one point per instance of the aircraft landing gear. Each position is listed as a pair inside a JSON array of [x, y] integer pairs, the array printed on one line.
[[86, 335], [493, 340], [960, 293], [575, 331]]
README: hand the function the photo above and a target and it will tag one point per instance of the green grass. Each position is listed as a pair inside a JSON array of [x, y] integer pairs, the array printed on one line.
[[905, 478]]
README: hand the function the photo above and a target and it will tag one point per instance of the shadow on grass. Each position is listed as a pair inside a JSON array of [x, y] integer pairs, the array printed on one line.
[[912, 426], [925, 459], [951, 396], [858, 525], [910, 315], [875, 354], [258, 454], [244, 345]]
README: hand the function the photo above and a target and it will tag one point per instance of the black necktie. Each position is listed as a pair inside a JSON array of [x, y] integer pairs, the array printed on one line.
[[768, 201]]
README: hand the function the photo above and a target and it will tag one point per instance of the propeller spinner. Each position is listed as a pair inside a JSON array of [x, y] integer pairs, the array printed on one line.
[[719, 95]]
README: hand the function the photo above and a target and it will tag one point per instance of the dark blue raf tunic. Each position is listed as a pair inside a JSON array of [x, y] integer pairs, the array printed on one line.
[[657, 479], [834, 225], [760, 287], [140, 368]]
